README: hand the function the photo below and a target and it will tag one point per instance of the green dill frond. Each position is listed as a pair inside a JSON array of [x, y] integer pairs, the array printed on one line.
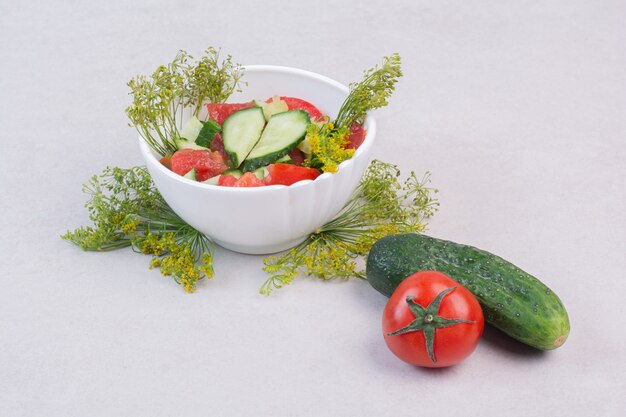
[[282, 269], [371, 93], [158, 101], [211, 80], [127, 210], [381, 205]]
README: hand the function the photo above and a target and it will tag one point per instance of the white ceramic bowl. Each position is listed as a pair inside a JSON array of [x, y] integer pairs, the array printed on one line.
[[273, 218]]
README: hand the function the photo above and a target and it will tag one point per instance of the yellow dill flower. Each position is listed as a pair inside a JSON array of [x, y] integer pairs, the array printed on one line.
[[154, 244], [129, 224], [206, 265], [118, 218], [155, 263], [382, 205], [127, 210], [328, 146]]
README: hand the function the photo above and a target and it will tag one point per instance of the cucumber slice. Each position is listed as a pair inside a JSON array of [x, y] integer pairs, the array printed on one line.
[[284, 160], [191, 175], [207, 133], [191, 129], [305, 146], [261, 172], [273, 107], [241, 132], [283, 133], [234, 172], [213, 180], [196, 134], [185, 144]]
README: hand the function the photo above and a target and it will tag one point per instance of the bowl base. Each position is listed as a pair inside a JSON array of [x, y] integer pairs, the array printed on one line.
[[261, 249]]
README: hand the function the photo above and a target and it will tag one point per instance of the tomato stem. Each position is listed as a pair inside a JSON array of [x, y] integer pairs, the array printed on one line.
[[428, 320]]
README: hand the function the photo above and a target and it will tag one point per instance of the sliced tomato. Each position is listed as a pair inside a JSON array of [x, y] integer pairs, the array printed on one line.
[[218, 157], [246, 180], [217, 145], [249, 180], [297, 156], [357, 136], [294, 103], [206, 163], [227, 180], [287, 174], [219, 112], [167, 162]]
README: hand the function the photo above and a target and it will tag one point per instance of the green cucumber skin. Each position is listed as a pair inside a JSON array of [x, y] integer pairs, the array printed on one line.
[[270, 158], [207, 133], [512, 300]]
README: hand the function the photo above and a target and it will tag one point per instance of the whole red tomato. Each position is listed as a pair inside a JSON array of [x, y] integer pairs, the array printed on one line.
[[432, 320]]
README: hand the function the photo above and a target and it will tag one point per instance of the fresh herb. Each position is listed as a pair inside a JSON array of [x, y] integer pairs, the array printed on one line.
[[327, 140], [371, 93], [327, 146], [160, 100], [127, 211], [157, 102], [380, 206], [211, 80]]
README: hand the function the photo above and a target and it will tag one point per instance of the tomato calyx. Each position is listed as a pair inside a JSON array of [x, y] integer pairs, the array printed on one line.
[[427, 319]]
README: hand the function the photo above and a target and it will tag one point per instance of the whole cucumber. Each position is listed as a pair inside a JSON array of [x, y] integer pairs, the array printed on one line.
[[512, 300]]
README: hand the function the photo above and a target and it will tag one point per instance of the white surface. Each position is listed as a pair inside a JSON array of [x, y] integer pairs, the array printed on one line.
[[262, 220], [518, 109]]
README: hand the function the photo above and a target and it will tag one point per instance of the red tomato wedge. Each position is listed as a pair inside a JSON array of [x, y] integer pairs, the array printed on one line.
[[207, 164], [294, 103], [287, 174], [217, 145], [227, 180], [249, 180], [167, 162], [297, 156], [246, 180], [357, 136], [219, 112]]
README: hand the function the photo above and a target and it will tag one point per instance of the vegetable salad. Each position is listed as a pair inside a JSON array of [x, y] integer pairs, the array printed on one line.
[[279, 141]]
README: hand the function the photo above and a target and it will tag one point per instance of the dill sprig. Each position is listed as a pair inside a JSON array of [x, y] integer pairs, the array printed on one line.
[[127, 211], [380, 206], [211, 80], [327, 139], [371, 93], [328, 146], [159, 100]]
